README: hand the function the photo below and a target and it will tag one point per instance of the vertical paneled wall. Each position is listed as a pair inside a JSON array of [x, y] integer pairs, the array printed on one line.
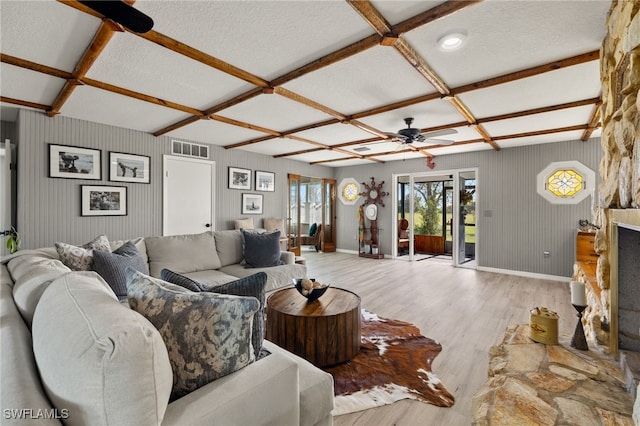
[[515, 224], [49, 209]]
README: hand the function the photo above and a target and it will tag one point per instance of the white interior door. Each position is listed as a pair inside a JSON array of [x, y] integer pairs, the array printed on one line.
[[188, 195]]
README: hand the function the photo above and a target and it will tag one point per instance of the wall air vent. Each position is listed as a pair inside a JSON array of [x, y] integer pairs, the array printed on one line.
[[189, 149], [361, 149]]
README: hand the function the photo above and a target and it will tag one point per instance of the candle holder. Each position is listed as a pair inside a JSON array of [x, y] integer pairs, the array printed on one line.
[[579, 341]]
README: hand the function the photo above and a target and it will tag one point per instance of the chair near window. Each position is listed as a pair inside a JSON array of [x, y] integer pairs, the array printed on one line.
[[403, 236], [314, 237]]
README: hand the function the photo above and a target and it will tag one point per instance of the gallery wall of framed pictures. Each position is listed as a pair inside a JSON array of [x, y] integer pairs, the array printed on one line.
[[240, 178], [72, 162]]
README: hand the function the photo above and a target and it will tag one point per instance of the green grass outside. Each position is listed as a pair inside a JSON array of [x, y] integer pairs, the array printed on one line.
[[470, 231]]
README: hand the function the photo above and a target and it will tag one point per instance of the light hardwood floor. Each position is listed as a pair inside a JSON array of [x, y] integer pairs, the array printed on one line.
[[465, 310]]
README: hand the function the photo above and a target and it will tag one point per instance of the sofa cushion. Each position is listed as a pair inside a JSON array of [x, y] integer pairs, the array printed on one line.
[[312, 229], [80, 258], [278, 277], [95, 356], [229, 246], [32, 271], [182, 253], [138, 242], [207, 335], [112, 267], [261, 250], [253, 286], [243, 223], [274, 225]]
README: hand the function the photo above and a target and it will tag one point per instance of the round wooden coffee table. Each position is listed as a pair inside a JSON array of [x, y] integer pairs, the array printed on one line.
[[324, 332]]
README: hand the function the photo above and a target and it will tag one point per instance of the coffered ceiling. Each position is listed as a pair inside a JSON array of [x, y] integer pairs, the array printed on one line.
[[321, 82]]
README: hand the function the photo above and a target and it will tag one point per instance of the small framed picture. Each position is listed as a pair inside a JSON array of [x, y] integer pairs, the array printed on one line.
[[128, 168], [103, 200], [72, 162], [239, 178], [252, 203], [265, 181]]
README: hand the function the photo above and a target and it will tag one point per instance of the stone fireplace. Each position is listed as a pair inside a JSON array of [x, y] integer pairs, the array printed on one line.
[[619, 191]]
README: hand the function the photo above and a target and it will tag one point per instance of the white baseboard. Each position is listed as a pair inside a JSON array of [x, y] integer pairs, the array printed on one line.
[[495, 270], [524, 274]]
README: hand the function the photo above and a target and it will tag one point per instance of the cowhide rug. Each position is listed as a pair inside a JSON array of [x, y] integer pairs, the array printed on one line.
[[394, 363]]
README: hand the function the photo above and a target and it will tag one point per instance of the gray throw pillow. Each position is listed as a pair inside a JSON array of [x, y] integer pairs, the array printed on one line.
[[207, 335], [178, 279], [253, 286], [112, 267], [262, 250], [80, 258]]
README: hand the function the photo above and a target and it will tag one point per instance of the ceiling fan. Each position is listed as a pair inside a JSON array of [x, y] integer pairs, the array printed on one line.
[[122, 13], [412, 134]]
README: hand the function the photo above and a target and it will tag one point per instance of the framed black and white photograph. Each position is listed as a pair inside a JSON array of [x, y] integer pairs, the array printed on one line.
[[239, 178], [72, 162], [128, 167], [103, 200], [265, 181], [252, 203]]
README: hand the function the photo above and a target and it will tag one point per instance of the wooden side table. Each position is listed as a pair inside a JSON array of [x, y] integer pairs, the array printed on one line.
[[324, 332]]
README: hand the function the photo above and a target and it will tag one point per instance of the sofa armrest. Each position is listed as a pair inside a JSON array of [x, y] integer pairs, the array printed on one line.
[[20, 389], [288, 257], [263, 393]]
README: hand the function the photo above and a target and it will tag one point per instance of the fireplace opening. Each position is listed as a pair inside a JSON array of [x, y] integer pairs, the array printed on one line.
[[628, 286]]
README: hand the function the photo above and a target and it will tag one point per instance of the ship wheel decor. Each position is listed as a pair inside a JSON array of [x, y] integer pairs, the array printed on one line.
[[373, 192]]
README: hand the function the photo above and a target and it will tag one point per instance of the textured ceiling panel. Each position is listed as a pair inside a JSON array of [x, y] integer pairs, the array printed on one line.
[[274, 112], [266, 38], [129, 61], [578, 82], [34, 86], [88, 103], [46, 32], [375, 77], [277, 146], [535, 140], [335, 134], [214, 132], [507, 36], [547, 120]]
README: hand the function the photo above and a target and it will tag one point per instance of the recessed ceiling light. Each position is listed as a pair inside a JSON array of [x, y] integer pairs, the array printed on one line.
[[451, 41]]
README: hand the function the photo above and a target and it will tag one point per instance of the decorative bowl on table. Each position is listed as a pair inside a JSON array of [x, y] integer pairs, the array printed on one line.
[[310, 288]]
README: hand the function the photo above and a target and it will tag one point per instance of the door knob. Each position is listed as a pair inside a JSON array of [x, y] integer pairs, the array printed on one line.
[[207, 225]]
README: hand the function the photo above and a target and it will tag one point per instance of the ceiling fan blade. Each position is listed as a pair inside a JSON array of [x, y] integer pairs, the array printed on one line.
[[120, 12], [432, 141], [437, 133]]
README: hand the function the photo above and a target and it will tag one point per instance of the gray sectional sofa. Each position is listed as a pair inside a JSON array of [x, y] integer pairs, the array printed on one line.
[[72, 353]]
